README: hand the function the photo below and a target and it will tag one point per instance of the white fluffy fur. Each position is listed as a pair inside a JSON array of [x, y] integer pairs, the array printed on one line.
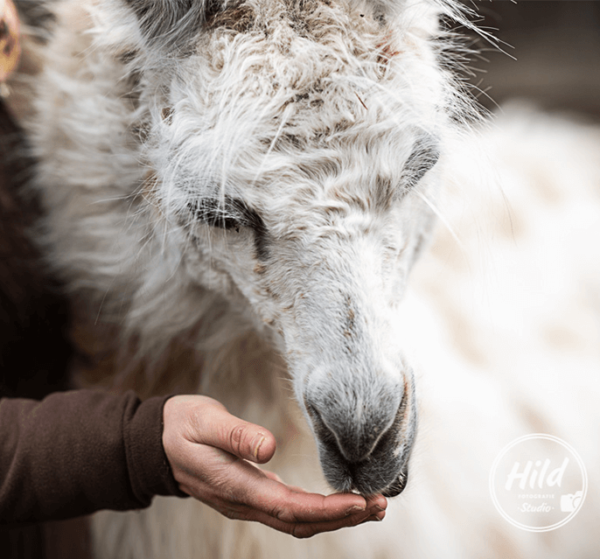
[[497, 329], [504, 333]]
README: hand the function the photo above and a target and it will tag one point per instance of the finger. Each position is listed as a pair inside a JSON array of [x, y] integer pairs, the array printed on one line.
[[242, 483], [272, 475], [275, 477], [283, 503], [296, 489], [296, 529], [310, 529], [215, 426], [236, 511], [377, 502]]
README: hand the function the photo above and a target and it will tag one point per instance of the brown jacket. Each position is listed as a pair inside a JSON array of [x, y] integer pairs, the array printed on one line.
[[78, 452]]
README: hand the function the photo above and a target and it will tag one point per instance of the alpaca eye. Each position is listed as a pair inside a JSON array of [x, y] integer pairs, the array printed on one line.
[[231, 213], [217, 213]]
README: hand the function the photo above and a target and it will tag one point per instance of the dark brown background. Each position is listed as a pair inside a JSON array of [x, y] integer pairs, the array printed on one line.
[[557, 49]]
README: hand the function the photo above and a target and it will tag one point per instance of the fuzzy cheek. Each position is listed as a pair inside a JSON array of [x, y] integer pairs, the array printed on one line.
[[209, 277], [265, 311]]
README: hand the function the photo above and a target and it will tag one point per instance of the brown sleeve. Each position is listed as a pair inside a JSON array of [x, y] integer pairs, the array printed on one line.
[[78, 452]]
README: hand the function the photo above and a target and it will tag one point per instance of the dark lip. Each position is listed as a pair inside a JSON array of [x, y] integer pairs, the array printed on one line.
[[381, 472], [398, 486]]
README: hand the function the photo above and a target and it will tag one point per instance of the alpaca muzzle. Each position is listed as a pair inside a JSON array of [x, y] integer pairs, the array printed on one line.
[[365, 450]]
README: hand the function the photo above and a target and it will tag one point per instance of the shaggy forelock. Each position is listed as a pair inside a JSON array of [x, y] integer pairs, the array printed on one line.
[[305, 88]]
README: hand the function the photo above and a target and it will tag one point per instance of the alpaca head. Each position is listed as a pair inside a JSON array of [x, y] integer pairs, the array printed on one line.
[[294, 145]]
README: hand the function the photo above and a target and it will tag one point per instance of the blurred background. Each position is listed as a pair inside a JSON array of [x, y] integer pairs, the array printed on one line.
[[552, 59], [556, 50]]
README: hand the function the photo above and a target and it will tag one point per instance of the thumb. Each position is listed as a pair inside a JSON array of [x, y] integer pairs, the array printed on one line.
[[216, 427]]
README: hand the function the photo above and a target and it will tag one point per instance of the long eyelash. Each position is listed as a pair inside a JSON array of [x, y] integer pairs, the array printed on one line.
[[249, 217], [216, 214], [233, 214]]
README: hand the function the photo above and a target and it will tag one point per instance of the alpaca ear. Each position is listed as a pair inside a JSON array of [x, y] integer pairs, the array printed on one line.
[[172, 24]]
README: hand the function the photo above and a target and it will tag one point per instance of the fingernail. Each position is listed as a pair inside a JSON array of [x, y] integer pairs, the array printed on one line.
[[355, 508], [377, 507], [257, 447]]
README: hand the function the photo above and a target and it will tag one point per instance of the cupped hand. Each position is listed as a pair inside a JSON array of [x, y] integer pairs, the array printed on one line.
[[211, 453]]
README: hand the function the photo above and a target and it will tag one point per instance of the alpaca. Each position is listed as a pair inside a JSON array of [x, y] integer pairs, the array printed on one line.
[[235, 195], [278, 175]]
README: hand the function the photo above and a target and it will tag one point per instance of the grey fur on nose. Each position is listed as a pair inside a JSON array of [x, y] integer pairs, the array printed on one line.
[[354, 433], [356, 443]]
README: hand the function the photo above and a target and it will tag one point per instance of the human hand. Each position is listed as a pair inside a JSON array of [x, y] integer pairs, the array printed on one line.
[[211, 453]]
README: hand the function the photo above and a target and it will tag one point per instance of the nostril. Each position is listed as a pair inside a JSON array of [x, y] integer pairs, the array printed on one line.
[[354, 447], [355, 438]]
